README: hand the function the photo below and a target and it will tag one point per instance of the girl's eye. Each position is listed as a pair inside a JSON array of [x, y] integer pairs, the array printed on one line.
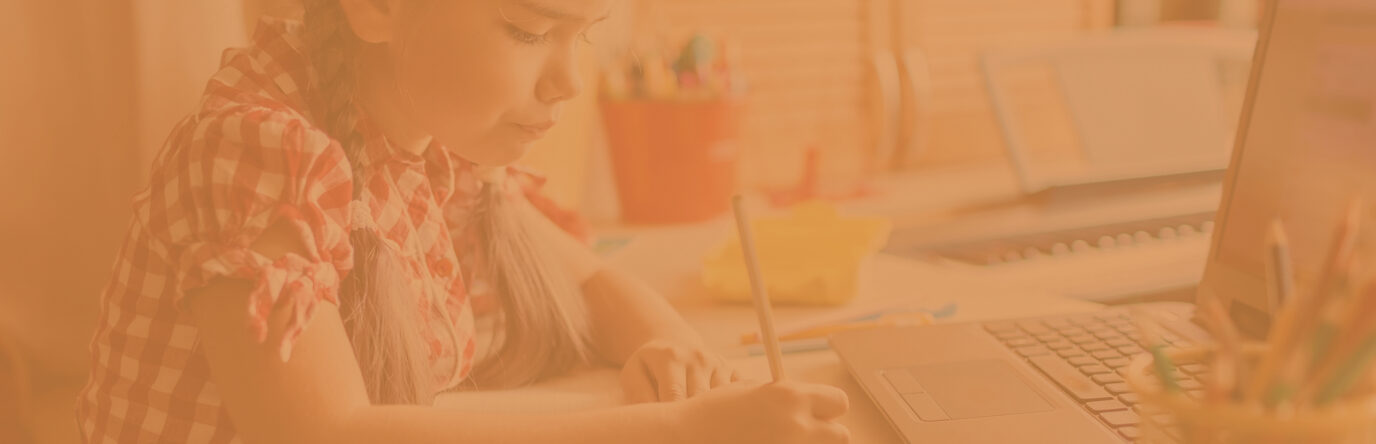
[[525, 37]]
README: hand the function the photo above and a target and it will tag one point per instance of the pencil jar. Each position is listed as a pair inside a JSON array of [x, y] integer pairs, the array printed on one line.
[[1188, 416], [674, 160]]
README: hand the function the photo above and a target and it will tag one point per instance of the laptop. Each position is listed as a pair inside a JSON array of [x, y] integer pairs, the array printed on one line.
[[1303, 150]]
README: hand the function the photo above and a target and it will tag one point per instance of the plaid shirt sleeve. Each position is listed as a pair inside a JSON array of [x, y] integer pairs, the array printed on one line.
[[240, 171]]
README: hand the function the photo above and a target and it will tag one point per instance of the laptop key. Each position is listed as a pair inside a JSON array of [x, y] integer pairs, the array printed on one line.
[[1059, 344], [1096, 326], [1082, 361], [1118, 418], [1118, 388], [1118, 342], [1071, 331], [1106, 405], [1094, 346], [1034, 350], [1130, 432], [1106, 378], [1047, 337], [1130, 398], [1131, 350], [1094, 370], [1082, 339], [1108, 334], [1101, 328], [1021, 342], [1105, 354], [1116, 363], [1070, 352], [1069, 378]]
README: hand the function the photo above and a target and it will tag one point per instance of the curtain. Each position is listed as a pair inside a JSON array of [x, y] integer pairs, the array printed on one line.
[[88, 91]]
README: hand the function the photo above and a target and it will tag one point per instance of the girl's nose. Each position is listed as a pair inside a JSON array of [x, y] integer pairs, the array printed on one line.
[[561, 80]]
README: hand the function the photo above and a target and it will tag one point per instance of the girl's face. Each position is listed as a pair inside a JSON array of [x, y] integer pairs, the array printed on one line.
[[486, 78]]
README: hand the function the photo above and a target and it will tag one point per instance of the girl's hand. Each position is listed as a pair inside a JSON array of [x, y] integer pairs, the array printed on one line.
[[781, 412], [673, 371]]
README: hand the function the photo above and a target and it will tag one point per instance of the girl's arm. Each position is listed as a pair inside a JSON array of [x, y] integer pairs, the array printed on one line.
[[626, 313], [663, 357], [318, 396]]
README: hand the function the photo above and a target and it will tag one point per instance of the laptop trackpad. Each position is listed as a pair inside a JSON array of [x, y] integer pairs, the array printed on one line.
[[975, 389]]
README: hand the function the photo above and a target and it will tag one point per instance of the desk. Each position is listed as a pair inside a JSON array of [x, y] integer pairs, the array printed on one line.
[[669, 258], [888, 278]]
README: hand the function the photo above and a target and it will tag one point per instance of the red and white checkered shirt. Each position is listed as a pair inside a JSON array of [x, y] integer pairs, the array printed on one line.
[[246, 159]]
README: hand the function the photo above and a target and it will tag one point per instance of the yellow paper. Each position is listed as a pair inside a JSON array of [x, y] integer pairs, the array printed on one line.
[[812, 257]]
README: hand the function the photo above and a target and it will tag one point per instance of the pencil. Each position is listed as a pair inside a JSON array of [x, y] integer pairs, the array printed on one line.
[[1224, 374], [1298, 314], [1151, 340], [1312, 346], [1346, 355], [1280, 269], [1350, 374], [758, 290]]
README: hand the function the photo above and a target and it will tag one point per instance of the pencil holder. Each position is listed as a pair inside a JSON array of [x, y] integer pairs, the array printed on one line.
[[1172, 416], [674, 160]]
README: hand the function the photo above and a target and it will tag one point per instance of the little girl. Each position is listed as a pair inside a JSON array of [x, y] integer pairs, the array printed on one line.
[[333, 237]]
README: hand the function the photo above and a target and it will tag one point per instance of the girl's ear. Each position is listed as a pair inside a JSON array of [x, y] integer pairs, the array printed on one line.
[[374, 21]]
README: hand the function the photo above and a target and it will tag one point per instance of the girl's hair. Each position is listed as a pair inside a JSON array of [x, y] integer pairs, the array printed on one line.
[[544, 328]]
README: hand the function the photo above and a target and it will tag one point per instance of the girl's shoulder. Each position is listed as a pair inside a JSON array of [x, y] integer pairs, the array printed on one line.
[[272, 71], [254, 113]]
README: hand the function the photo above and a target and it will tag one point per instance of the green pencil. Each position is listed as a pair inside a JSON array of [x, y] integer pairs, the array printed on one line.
[[1161, 363], [1349, 374]]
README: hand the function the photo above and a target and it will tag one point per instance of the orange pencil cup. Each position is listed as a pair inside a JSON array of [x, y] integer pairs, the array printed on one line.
[[674, 160], [1173, 417]]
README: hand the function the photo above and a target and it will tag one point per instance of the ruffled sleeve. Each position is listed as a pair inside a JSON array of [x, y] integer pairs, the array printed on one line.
[[229, 176]]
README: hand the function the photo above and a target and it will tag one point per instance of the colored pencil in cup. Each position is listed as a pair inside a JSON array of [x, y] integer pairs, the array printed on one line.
[[1225, 373], [1279, 267], [1298, 314]]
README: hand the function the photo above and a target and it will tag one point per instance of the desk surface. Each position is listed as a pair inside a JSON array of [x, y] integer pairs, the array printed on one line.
[[668, 258], [888, 279]]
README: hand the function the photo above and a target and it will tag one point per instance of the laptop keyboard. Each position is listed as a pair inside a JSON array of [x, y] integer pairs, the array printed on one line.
[[1085, 355]]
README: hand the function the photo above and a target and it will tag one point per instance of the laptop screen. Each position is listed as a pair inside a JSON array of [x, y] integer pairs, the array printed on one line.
[[1308, 147]]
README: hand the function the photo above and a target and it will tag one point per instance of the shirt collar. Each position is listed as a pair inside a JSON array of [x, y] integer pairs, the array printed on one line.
[[436, 162]]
